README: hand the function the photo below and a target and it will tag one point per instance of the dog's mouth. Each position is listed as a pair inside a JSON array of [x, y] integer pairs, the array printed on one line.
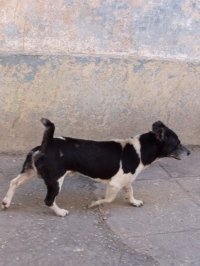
[[180, 153], [175, 157]]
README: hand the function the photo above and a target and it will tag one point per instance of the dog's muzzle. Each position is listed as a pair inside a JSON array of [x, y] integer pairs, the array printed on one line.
[[180, 153]]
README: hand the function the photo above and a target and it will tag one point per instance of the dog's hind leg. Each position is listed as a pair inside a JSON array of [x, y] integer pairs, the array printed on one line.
[[53, 189], [14, 184], [111, 193], [128, 191]]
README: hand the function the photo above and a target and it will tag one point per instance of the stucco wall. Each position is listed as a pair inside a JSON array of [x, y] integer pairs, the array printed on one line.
[[99, 69]]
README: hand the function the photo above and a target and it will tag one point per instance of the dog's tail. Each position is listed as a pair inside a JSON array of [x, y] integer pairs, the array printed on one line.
[[48, 134]]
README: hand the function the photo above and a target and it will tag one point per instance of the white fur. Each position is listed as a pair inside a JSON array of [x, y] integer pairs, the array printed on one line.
[[61, 180], [136, 143], [121, 180], [14, 184], [58, 211], [114, 185]]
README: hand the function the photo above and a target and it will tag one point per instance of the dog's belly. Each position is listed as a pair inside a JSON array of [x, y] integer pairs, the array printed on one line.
[[98, 172], [73, 173]]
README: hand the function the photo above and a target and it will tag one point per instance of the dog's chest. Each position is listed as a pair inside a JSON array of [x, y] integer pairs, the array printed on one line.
[[125, 178]]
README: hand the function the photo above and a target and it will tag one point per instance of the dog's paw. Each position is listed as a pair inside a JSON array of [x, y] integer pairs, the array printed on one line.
[[91, 205], [137, 203], [62, 212], [5, 204]]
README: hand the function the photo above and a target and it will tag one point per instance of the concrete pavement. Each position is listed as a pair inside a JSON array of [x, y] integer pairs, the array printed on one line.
[[165, 231]]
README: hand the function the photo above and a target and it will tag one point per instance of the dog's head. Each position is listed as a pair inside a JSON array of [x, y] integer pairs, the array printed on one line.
[[170, 145]]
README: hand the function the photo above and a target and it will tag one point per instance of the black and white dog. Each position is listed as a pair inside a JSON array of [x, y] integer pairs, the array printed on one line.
[[116, 162]]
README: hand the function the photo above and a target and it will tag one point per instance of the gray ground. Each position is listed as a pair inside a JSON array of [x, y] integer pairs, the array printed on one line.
[[165, 231]]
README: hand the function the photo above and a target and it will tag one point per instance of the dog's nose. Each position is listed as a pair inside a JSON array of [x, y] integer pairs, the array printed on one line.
[[188, 153]]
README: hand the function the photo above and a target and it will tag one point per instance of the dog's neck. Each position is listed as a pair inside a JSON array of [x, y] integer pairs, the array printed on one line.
[[149, 148]]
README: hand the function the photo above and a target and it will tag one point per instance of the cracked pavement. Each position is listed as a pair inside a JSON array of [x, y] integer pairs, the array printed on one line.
[[165, 231]]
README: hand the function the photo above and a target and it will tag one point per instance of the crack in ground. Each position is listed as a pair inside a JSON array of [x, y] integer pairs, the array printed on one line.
[[117, 242]]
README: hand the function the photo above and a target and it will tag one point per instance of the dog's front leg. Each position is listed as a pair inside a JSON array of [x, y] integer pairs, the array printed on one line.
[[53, 188], [111, 193], [128, 190]]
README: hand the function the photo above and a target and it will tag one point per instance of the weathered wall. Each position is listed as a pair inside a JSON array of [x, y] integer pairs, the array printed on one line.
[[142, 27], [98, 68]]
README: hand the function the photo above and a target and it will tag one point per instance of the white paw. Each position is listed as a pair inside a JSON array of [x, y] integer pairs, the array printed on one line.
[[91, 205], [62, 212], [5, 204], [137, 203], [94, 204]]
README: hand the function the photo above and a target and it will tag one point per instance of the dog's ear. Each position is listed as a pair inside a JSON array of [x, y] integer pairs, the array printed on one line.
[[159, 130]]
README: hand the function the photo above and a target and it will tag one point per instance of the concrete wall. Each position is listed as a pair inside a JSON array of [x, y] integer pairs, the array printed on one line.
[[98, 68]]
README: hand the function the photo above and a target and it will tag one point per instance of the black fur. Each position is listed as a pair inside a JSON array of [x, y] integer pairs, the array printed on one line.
[[130, 159], [91, 158], [48, 134], [98, 159]]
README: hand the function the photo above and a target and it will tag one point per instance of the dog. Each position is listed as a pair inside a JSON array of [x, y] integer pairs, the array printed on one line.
[[116, 163]]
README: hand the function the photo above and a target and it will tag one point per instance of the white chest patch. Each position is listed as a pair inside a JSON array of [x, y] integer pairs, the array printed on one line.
[[136, 144], [121, 178]]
